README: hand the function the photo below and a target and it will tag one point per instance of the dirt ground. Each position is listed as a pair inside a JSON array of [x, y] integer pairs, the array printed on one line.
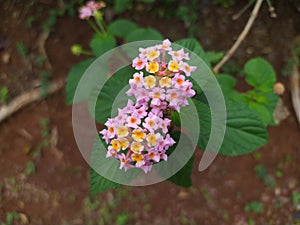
[[45, 180]]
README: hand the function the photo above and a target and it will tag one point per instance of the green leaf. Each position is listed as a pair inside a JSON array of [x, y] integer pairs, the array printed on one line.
[[102, 43], [110, 91], [121, 5], [244, 131], [183, 176], [265, 107], [260, 74], [74, 77], [226, 81], [143, 34], [99, 184], [205, 122], [262, 112], [121, 27], [175, 118], [213, 57]]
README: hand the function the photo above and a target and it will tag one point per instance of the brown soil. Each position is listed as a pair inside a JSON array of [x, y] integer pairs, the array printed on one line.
[[57, 192]]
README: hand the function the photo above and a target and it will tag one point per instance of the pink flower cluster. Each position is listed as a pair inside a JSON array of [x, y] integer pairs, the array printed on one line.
[[168, 86], [138, 136], [85, 12]]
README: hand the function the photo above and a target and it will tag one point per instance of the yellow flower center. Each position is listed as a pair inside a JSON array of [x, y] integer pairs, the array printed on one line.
[[165, 81], [173, 66], [122, 131], [153, 67], [136, 147], [115, 145], [150, 81], [137, 157], [138, 135], [124, 143], [152, 55], [151, 138]]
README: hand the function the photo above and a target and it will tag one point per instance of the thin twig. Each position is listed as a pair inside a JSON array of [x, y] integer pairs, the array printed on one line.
[[27, 98], [244, 9], [241, 36], [294, 82]]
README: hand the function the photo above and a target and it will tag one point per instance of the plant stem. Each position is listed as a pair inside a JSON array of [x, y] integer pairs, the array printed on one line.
[[95, 28], [86, 52], [241, 37], [100, 25]]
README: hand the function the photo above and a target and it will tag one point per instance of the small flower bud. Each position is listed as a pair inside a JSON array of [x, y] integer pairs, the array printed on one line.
[[76, 49], [279, 88], [98, 15]]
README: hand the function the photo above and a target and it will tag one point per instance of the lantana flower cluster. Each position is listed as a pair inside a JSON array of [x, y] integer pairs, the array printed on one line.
[[139, 135]]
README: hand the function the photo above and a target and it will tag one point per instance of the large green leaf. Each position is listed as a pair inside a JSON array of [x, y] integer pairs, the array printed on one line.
[[244, 130], [260, 74], [99, 183], [74, 77], [143, 34], [102, 43], [121, 27], [183, 177], [110, 91]]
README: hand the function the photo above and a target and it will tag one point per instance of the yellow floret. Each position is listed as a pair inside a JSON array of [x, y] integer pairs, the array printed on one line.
[[136, 147], [153, 67], [150, 81], [165, 82], [151, 138], [137, 157], [173, 66], [115, 145], [138, 135], [152, 55], [122, 131], [124, 143]]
